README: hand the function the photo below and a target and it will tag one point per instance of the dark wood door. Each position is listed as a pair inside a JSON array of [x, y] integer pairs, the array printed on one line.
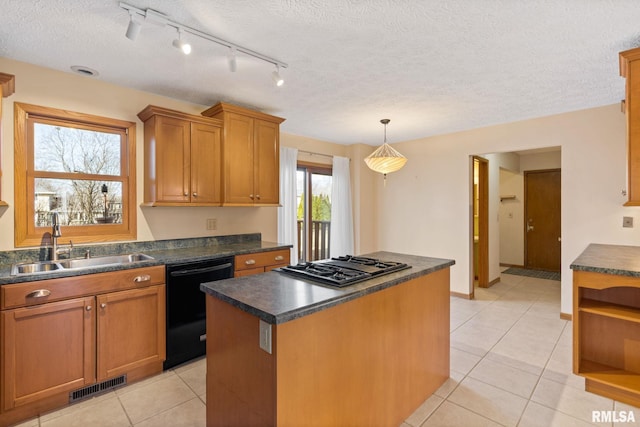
[[542, 219]]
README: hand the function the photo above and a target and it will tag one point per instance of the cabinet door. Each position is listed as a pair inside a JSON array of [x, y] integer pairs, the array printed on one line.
[[131, 330], [205, 164], [47, 349], [266, 163], [172, 147], [238, 160]]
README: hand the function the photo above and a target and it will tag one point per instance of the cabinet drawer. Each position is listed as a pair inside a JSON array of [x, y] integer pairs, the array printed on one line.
[[42, 291], [261, 259]]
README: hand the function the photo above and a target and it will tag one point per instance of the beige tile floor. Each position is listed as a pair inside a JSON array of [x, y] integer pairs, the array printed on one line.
[[510, 366]]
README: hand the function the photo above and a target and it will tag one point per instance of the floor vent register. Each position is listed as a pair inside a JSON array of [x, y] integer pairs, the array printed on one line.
[[95, 389]]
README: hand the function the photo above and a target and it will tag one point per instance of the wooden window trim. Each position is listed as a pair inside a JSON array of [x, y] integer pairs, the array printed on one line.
[[26, 234]]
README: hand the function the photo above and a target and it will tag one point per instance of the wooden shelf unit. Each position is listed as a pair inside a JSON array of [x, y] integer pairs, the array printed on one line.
[[606, 334]]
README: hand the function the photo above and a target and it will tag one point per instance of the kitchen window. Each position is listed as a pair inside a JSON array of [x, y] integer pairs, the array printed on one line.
[[314, 211], [79, 166]]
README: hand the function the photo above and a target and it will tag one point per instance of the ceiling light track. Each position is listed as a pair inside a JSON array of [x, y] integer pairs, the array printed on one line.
[[161, 19]]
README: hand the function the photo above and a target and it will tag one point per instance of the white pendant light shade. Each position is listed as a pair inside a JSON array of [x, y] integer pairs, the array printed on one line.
[[385, 159]]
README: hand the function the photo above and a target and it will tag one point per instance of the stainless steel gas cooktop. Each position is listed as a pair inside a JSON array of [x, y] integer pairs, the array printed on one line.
[[343, 270]]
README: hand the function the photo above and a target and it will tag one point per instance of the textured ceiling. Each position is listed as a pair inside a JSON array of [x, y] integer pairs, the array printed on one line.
[[432, 67]]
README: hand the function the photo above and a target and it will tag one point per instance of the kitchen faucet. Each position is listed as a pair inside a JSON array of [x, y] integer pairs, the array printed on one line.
[[55, 233]]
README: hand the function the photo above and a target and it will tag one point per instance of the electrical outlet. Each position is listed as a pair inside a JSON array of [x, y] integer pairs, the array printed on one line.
[[265, 336], [627, 221], [212, 224]]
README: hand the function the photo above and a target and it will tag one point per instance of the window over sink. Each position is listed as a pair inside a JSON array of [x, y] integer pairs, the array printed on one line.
[[81, 167]]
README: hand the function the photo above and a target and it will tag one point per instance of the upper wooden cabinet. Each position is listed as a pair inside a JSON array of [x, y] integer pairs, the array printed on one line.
[[182, 156], [630, 70], [7, 87], [250, 156]]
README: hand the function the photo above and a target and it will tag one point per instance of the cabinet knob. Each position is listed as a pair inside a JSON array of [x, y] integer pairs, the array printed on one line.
[[195, 194], [103, 305], [250, 261], [258, 196], [279, 258], [40, 293], [89, 308], [251, 196], [142, 278], [186, 193]]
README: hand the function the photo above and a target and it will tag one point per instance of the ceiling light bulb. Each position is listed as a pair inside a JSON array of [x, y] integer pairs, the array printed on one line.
[[233, 66], [277, 78], [134, 27], [183, 46]]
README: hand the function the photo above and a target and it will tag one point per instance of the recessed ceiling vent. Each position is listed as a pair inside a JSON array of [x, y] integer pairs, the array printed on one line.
[[96, 389], [85, 71]]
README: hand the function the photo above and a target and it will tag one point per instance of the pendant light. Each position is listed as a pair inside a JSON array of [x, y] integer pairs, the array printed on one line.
[[385, 159]]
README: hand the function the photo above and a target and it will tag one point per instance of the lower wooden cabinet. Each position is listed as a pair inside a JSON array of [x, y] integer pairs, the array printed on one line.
[[56, 339], [131, 330], [256, 263], [47, 349]]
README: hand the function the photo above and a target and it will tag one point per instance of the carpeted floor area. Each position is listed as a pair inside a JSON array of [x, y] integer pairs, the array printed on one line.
[[539, 274]]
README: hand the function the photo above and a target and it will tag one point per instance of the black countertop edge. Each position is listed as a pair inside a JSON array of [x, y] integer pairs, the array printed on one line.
[[160, 257], [619, 260], [248, 293]]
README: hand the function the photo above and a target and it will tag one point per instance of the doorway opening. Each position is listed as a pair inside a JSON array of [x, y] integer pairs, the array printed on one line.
[[480, 222]]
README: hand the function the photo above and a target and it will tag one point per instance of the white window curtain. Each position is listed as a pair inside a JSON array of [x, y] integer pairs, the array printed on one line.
[[341, 213], [287, 212]]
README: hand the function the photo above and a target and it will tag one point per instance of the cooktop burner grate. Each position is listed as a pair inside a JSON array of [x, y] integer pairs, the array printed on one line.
[[343, 270]]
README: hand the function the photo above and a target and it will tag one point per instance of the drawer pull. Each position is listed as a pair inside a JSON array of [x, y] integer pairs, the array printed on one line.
[[142, 278], [279, 258], [250, 261], [40, 293]]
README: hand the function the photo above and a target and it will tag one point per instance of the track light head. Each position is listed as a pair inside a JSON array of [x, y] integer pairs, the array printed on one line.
[[233, 66], [182, 45], [277, 78], [134, 27]]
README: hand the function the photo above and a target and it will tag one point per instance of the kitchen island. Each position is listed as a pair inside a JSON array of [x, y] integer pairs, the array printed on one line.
[[289, 352]]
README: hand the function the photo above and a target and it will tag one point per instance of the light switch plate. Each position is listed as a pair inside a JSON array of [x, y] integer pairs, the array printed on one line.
[[265, 336], [627, 221]]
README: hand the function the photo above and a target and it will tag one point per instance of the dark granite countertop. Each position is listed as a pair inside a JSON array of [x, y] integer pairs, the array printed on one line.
[[609, 259], [277, 298], [164, 252]]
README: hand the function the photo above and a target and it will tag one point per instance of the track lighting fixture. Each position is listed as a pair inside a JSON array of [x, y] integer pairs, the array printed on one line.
[[157, 18], [233, 66], [181, 44], [277, 78], [134, 27]]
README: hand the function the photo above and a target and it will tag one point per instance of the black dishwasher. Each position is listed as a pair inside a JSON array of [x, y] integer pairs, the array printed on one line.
[[186, 312]]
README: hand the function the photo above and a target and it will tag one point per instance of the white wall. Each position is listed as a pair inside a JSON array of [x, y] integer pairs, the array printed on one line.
[[511, 218], [425, 207]]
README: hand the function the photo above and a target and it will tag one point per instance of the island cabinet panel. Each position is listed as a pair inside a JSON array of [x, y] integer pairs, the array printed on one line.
[[369, 361], [240, 375], [606, 334]]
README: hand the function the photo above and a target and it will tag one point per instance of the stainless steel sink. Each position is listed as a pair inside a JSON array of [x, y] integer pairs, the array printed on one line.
[[34, 267], [102, 260], [76, 263]]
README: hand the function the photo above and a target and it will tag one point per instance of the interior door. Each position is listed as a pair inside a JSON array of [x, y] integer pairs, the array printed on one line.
[[542, 219]]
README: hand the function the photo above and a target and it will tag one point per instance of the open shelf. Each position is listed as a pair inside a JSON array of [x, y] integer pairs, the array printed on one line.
[[620, 378], [608, 309]]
